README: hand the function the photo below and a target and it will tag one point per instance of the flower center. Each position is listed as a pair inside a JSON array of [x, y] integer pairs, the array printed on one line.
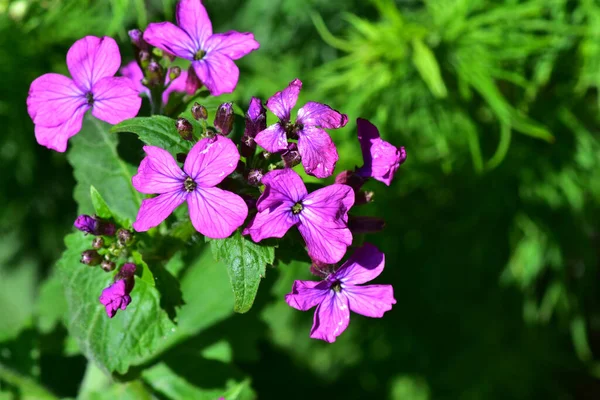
[[90, 98], [189, 185], [337, 287], [199, 55], [297, 208]]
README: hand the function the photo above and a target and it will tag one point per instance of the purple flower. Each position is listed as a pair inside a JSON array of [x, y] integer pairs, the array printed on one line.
[[321, 216], [134, 72], [340, 292], [256, 121], [57, 104], [381, 159], [214, 212], [94, 226], [116, 296], [318, 152], [211, 54]]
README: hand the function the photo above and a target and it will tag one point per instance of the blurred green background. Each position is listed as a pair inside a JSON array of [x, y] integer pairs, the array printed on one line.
[[492, 238]]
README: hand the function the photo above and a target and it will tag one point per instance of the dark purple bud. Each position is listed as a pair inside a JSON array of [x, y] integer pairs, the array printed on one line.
[[199, 112], [365, 224], [256, 121], [98, 242], [137, 38], [181, 157], [94, 226], [185, 128], [124, 237], [155, 73], [91, 258], [108, 265], [249, 200], [291, 157], [255, 177], [351, 179], [224, 119], [363, 197], [126, 272], [174, 73]]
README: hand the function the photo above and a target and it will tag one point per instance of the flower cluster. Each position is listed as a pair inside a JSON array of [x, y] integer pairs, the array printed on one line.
[[221, 183]]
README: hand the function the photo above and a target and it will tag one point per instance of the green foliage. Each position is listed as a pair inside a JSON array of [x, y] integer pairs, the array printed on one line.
[[157, 131]]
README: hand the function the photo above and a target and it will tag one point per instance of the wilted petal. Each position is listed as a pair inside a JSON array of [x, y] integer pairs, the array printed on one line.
[[233, 44], [91, 59], [217, 72], [53, 99], [371, 300], [363, 266], [193, 18], [158, 173], [281, 103], [326, 241], [272, 139], [321, 115], [178, 85], [307, 294], [56, 137], [171, 38], [332, 317], [133, 71], [155, 210], [216, 213], [330, 203], [211, 160], [115, 100], [115, 297], [281, 186], [318, 152], [271, 223]]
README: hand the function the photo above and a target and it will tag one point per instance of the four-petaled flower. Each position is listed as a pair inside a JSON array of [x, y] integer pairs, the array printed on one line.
[[381, 159], [340, 292], [57, 104], [321, 216], [317, 150], [214, 212], [211, 54], [116, 296], [135, 73]]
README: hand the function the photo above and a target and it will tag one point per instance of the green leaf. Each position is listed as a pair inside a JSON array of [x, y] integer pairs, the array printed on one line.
[[245, 262], [130, 338], [156, 131], [429, 69], [95, 162], [51, 304]]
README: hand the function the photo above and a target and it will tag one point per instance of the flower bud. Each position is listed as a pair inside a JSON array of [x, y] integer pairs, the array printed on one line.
[[199, 112], [254, 177], [108, 265], [124, 237], [174, 73], [256, 121], [91, 258], [137, 38], [157, 52], [155, 73], [351, 179], [224, 119], [126, 272], [181, 157], [98, 242], [94, 226], [364, 197], [185, 129], [291, 157], [365, 224], [144, 58]]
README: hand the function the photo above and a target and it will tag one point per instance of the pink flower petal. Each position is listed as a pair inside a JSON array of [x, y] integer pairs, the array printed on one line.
[[211, 160], [53, 99], [133, 71], [326, 241], [307, 294], [273, 139], [271, 223], [171, 39], [281, 186], [155, 210], [321, 115], [216, 213], [364, 265], [330, 203], [193, 18], [115, 99], [179, 85], [158, 173], [192, 83], [371, 300], [233, 44], [56, 137], [281, 103], [91, 58], [318, 152], [331, 318], [217, 72]]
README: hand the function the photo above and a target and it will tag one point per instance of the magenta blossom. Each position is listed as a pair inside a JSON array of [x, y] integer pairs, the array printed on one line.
[[135, 73], [318, 152], [321, 216], [381, 159], [116, 296], [94, 226], [211, 54], [340, 292], [214, 212], [57, 104]]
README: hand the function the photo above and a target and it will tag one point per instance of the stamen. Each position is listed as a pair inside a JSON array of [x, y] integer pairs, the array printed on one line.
[[189, 185], [90, 98], [199, 55], [337, 287], [297, 208]]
